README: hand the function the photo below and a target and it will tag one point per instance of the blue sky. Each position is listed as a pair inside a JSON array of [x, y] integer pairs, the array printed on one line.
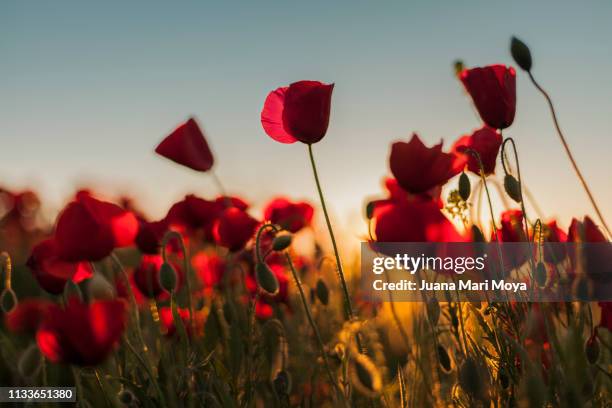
[[88, 90]]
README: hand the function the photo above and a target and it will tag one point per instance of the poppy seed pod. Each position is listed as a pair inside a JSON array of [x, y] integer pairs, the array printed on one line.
[[322, 292], [167, 277], [521, 54], [266, 279], [8, 300], [281, 242], [511, 185], [464, 186]]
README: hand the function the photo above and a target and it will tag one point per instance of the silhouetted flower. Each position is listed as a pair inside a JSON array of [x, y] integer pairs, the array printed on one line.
[[234, 228], [187, 146], [486, 141]]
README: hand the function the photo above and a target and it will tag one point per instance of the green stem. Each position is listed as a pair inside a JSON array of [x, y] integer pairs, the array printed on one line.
[[149, 371], [347, 299], [569, 154]]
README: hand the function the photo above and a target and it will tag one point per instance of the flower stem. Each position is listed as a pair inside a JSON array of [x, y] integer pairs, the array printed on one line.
[[570, 155], [347, 299]]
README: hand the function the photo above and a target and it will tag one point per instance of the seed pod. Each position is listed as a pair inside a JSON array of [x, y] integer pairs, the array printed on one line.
[[322, 292], [464, 186], [369, 210], [72, 290], [521, 54], [511, 185], [266, 279], [365, 376], [127, 397], [591, 349], [99, 288], [444, 359], [282, 383], [30, 362], [8, 300], [167, 277], [281, 242], [540, 274], [433, 310]]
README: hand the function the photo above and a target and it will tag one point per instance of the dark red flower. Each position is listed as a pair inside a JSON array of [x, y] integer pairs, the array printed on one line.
[[606, 315], [493, 90], [234, 228], [194, 213], [486, 141], [289, 215], [413, 221], [298, 112], [210, 268], [89, 229], [150, 235], [187, 146], [556, 237], [51, 271], [232, 201], [512, 227], [511, 231], [595, 251], [146, 277], [82, 334], [27, 316], [418, 168]]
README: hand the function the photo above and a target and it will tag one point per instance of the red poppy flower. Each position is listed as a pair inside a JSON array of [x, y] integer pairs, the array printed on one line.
[[82, 334], [210, 268], [89, 229], [290, 216], [167, 321], [232, 201], [150, 235], [554, 235], [413, 221], [27, 315], [595, 252], [51, 272], [511, 231], [234, 228], [418, 168], [493, 90], [194, 213], [146, 277], [187, 146], [486, 141], [298, 112]]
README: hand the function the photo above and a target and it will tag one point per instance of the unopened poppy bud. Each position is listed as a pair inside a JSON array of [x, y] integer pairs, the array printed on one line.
[[591, 349], [127, 397], [282, 383], [512, 187], [72, 290], [167, 277], [365, 376], [322, 292], [8, 300], [370, 210], [266, 279], [281, 242], [464, 186], [540, 273], [30, 362], [521, 54], [99, 288], [444, 359]]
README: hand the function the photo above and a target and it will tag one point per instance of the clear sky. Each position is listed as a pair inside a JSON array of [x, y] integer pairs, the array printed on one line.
[[87, 90]]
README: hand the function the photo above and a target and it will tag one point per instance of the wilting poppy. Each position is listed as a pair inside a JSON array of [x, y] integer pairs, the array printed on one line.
[[27, 315], [82, 334], [486, 141], [51, 271], [418, 168], [146, 276], [298, 112], [493, 90], [187, 146], [289, 215], [234, 228], [89, 229]]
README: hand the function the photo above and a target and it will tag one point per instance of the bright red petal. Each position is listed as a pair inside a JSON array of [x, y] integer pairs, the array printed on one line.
[[272, 116]]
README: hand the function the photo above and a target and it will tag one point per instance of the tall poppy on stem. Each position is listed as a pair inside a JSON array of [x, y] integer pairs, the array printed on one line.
[[300, 112]]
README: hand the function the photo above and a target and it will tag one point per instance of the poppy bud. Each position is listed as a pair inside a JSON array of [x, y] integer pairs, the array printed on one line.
[[511, 185], [365, 376], [444, 359], [8, 300], [521, 54], [99, 288], [540, 273], [266, 279], [29, 363], [464, 186], [282, 383], [72, 290], [433, 310], [370, 210], [167, 277], [477, 235], [322, 292], [281, 242], [591, 349]]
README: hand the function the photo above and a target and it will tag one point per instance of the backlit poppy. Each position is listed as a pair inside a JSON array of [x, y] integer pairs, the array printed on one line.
[[187, 146]]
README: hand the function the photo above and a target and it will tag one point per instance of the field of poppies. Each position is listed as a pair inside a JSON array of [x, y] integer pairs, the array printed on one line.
[[216, 305]]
